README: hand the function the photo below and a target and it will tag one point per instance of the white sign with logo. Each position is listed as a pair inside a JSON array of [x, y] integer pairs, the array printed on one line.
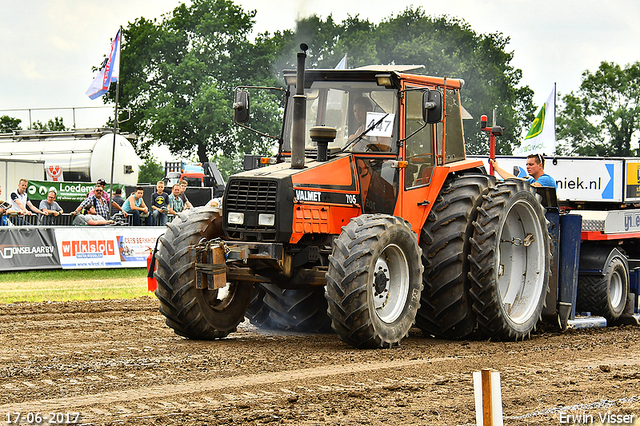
[[578, 179]]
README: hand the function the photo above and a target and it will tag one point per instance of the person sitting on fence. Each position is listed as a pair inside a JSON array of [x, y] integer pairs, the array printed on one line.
[[20, 201], [51, 207], [176, 205], [135, 205], [183, 187], [159, 205], [97, 201], [90, 217], [117, 198], [4, 210], [115, 205]]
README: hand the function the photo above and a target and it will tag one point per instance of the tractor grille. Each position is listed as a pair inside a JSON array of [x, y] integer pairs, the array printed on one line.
[[251, 196]]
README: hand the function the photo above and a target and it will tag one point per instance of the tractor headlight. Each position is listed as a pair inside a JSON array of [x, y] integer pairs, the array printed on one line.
[[265, 219], [235, 218]]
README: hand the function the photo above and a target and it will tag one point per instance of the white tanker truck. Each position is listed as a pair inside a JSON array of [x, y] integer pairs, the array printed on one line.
[[82, 155]]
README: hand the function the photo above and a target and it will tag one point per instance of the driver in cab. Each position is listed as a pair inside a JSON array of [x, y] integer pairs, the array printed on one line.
[[362, 142]]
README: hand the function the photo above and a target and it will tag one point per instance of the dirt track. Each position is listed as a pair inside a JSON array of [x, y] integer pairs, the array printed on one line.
[[115, 362]]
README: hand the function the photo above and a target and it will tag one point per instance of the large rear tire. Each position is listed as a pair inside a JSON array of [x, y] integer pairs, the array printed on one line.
[[258, 313], [193, 313], [446, 304], [300, 309], [510, 261], [606, 295], [374, 281]]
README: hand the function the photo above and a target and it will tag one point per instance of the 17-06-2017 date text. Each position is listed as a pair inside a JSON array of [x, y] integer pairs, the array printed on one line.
[[37, 418]]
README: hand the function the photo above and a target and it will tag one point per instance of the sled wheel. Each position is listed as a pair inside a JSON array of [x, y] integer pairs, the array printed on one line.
[[606, 295]]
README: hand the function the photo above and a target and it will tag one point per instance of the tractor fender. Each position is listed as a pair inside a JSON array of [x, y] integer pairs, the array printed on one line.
[[595, 257]]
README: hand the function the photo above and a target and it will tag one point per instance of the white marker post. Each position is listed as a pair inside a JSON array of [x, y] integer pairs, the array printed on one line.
[[486, 386]]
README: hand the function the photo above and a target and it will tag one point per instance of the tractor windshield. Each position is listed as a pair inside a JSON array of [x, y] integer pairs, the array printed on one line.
[[363, 114]]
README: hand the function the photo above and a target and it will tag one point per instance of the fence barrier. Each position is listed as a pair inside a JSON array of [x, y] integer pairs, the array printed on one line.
[[76, 247]]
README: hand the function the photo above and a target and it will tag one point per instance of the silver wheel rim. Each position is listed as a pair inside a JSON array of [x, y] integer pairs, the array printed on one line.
[[390, 283], [521, 263], [615, 289]]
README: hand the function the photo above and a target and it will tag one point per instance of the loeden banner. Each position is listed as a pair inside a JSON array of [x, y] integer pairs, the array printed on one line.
[[28, 248], [66, 191]]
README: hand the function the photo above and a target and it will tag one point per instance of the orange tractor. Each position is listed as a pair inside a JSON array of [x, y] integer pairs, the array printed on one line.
[[369, 220]]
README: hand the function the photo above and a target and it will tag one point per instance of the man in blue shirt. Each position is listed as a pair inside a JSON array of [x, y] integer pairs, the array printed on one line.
[[535, 169]]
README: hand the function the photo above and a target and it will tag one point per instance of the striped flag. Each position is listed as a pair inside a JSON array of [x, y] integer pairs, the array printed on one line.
[[109, 71]]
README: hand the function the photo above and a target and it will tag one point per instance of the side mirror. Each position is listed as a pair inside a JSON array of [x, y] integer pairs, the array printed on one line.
[[432, 106], [241, 107]]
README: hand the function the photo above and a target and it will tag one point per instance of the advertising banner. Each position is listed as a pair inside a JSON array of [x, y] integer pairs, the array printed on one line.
[[578, 179], [66, 191], [28, 248], [136, 244], [93, 247], [106, 247], [632, 181]]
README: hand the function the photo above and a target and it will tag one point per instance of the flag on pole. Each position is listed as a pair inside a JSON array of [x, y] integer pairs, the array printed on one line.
[[342, 65], [542, 134], [109, 71]]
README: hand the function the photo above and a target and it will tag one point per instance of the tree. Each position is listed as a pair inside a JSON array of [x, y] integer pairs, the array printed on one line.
[[446, 46], [8, 124], [178, 74], [178, 77], [603, 117], [55, 124], [151, 171]]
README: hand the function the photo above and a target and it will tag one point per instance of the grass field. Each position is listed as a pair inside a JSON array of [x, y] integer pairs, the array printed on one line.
[[75, 284]]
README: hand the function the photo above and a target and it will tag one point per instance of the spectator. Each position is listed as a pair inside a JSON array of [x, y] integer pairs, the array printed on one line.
[[176, 205], [135, 205], [103, 184], [183, 187], [117, 198], [51, 207], [4, 209], [97, 201], [159, 205], [20, 202], [91, 218], [114, 205]]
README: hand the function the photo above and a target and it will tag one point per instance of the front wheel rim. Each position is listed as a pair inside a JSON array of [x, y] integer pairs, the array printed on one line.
[[390, 283]]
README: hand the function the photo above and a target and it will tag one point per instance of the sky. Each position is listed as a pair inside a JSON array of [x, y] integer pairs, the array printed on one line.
[[48, 47]]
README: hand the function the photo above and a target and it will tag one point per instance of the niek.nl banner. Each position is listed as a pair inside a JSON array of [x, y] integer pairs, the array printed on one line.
[[28, 248]]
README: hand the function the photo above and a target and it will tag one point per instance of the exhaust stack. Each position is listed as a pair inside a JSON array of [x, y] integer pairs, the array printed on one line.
[[299, 113]]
